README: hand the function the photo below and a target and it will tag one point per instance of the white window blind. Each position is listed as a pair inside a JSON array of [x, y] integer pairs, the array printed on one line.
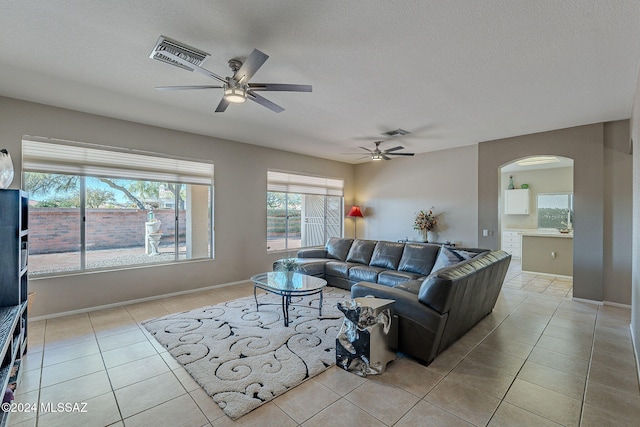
[[284, 182], [73, 158]]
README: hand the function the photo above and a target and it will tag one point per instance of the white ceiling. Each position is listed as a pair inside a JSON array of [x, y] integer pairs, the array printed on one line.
[[452, 72]]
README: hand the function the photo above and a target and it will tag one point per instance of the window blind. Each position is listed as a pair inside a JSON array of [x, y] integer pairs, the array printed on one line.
[[284, 182], [73, 158]]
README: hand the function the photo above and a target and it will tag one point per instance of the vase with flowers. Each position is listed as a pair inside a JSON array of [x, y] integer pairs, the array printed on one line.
[[425, 222]]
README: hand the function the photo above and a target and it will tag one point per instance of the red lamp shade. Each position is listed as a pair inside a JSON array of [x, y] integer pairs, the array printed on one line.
[[355, 212]]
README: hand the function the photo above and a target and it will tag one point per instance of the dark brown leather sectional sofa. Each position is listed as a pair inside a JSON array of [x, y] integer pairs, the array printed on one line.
[[435, 306]]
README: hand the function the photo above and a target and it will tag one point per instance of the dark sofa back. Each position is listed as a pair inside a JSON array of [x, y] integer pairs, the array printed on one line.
[[473, 289]]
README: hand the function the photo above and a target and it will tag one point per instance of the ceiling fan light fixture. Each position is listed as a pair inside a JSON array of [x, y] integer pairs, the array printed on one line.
[[235, 94], [376, 157]]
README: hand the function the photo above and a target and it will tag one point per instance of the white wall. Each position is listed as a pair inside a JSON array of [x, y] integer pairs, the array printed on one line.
[[392, 192], [239, 203]]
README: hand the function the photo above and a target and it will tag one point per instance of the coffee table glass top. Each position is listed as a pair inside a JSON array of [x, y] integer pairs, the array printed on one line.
[[280, 281]]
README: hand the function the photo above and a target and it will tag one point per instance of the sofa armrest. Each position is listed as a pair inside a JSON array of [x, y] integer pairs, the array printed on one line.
[[312, 253], [406, 303]]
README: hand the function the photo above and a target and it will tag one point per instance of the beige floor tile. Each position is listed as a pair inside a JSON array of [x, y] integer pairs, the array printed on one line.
[[29, 381], [508, 333], [146, 310], [146, 394], [101, 410], [561, 322], [553, 379], [78, 389], [502, 361], [410, 376], [186, 379], [72, 369], [181, 411], [268, 415], [576, 335], [70, 352], [32, 360], [581, 350], [306, 400], [614, 377], [466, 402], [623, 359], [545, 402], [30, 405], [576, 316], [428, 415], [625, 405], [395, 404], [339, 380], [488, 379], [559, 361], [500, 343], [509, 415], [343, 414], [122, 355], [138, 370], [207, 405], [51, 343], [596, 416], [111, 342], [27, 423]]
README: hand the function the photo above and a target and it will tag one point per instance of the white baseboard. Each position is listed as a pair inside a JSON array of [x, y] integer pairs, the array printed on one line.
[[135, 301], [588, 301], [617, 304], [635, 352]]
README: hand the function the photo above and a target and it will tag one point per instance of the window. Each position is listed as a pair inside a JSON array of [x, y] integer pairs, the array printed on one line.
[[93, 207], [555, 210], [302, 210]]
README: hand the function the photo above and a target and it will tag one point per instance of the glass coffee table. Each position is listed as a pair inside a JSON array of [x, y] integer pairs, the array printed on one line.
[[288, 285]]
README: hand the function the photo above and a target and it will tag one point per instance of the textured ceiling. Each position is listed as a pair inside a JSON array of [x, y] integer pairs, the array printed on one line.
[[453, 72]]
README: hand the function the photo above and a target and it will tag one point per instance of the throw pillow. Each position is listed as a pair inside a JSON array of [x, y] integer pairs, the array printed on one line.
[[449, 256]]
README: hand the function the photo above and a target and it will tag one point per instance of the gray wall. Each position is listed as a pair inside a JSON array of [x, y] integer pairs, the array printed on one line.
[[598, 166], [239, 203], [635, 272], [392, 192]]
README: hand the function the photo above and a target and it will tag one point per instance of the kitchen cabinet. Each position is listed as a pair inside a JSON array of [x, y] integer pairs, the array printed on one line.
[[516, 202]]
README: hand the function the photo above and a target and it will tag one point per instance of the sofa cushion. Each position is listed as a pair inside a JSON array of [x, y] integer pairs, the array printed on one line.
[[393, 278], [338, 248], [418, 258], [364, 273], [449, 256], [311, 266], [387, 255], [337, 268], [361, 251], [412, 286], [434, 292]]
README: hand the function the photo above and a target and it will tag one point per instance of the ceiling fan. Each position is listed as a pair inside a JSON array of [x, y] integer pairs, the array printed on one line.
[[236, 89], [378, 154]]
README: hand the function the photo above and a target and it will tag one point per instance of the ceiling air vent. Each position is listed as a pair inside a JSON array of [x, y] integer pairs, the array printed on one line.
[[186, 52], [397, 132]]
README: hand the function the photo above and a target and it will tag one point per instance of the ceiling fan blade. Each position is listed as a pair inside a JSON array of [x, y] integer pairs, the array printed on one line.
[[222, 106], [188, 87], [399, 147], [384, 156], [365, 148], [250, 66], [401, 154], [193, 67], [280, 87], [264, 102]]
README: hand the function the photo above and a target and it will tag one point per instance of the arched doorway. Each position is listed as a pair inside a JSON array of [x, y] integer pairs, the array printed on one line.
[[535, 216]]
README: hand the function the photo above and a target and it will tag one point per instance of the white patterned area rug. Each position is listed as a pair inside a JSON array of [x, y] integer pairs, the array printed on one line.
[[243, 358]]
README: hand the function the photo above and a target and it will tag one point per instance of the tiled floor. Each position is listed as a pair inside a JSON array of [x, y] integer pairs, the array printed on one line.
[[540, 359]]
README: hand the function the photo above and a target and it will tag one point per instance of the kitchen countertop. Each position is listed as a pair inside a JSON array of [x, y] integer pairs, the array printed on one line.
[[545, 233]]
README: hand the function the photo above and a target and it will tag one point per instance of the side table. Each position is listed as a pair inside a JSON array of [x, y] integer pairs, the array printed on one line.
[[368, 339]]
